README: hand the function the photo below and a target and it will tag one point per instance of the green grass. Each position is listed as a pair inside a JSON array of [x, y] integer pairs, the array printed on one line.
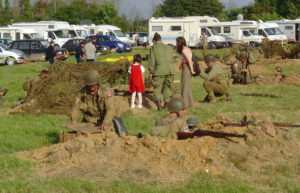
[[28, 132]]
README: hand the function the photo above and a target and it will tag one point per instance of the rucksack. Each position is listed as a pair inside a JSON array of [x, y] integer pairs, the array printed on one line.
[[196, 66]]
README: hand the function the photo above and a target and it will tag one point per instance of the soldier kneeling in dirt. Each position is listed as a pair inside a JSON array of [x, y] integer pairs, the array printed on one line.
[[31, 85], [238, 69], [168, 126], [96, 104], [278, 76]]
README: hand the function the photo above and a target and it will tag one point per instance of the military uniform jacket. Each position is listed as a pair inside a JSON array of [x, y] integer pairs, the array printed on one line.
[[204, 42], [96, 108], [170, 125], [31, 85], [215, 74], [236, 67], [161, 60]]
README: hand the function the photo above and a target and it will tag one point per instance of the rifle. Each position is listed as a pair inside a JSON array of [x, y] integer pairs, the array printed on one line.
[[245, 123], [201, 133]]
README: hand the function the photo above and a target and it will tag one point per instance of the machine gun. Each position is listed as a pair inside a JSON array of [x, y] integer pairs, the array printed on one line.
[[245, 123], [202, 133]]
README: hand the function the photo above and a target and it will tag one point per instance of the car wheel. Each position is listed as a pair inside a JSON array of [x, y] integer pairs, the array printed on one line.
[[212, 46], [252, 44], [10, 61]]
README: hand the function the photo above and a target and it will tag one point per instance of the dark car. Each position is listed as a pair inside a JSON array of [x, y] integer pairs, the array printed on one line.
[[36, 49], [72, 44], [6, 41], [112, 42]]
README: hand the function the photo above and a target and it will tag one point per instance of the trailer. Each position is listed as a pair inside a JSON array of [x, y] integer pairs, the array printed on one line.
[[15, 33], [291, 28], [272, 31], [190, 28], [244, 31]]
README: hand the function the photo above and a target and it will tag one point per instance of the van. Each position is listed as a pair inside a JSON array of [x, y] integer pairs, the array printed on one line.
[[291, 28], [272, 31]]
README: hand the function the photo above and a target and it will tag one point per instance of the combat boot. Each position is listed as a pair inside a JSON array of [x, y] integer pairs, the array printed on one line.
[[158, 105]]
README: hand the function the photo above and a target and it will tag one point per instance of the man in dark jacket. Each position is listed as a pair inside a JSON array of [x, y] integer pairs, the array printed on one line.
[[50, 53], [79, 52]]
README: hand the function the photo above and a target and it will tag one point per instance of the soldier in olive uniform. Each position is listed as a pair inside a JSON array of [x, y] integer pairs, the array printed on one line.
[[278, 76], [168, 126], [204, 44], [161, 68], [94, 103], [31, 85], [216, 80], [238, 70]]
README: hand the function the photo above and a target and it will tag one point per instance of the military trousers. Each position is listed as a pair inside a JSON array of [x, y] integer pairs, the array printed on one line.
[[163, 85], [213, 88]]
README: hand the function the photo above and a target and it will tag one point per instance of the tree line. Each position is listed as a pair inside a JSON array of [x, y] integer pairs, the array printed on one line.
[[103, 12]]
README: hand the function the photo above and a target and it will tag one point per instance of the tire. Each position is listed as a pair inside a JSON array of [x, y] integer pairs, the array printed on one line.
[[13, 59], [252, 44], [212, 46]]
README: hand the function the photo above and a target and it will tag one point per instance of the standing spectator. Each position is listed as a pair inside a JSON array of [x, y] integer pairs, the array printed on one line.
[[161, 68], [204, 44], [79, 52], [97, 48], [136, 82], [187, 71], [89, 51], [145, 41], [50, 53], [137, 38]]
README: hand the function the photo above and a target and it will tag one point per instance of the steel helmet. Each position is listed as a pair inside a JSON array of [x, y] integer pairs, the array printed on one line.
[[192, 122], [92, 77], [210, 58], [278, 68], [175, 105]]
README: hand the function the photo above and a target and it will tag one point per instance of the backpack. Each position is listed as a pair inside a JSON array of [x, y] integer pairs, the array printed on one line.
[[251, 58], [196, 65]]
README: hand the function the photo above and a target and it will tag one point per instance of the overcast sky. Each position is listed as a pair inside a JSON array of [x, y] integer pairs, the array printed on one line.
[[144, 8]]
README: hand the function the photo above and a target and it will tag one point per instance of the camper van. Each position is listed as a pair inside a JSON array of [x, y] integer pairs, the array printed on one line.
[[190, 28], [15, 33], [57, 31], [243, 31], [272, 31], [291, 28]]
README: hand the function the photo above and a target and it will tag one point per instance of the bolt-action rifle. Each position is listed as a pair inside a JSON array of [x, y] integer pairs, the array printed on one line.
[[202, 133], [245, 123]]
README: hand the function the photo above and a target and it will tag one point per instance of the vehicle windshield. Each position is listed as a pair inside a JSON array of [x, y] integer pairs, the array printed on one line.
[[143, 34], [213, 31], [246, 33], [119, 33], [273, 31], [113, 39], [45, 43], [4, 46], [253, 32], [36, 36], [81, 33], [65, 33]]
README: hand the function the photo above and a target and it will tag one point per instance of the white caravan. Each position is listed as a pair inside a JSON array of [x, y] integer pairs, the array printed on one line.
[[243, 31], [15, 33], [57, 31], [272, 31], [190, 28], [291, 28]]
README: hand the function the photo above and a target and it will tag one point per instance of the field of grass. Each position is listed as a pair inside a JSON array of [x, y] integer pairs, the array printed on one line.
[[28, 132]]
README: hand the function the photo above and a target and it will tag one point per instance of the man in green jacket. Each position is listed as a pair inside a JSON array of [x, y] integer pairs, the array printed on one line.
[[161, 68], [216, 80]]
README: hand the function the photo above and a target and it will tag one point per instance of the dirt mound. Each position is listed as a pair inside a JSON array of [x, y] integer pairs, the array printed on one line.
[[291, 80], [57, 93], [107, 157]]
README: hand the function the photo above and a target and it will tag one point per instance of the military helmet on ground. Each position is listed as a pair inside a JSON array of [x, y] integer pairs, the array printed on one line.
[[192, 122], [278, 68], [92, 77], [210, 58], [175, 105]]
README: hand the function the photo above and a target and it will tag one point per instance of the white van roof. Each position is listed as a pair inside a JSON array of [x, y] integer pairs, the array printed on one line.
[[109, 27], [201, 19], [241, 23], [268, 25]]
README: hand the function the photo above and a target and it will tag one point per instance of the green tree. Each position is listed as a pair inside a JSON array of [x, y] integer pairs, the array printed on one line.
[[26, 12], [106, 13], [5, 15], [40, 9]]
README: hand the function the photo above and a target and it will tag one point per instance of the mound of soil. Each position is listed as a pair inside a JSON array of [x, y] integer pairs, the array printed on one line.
[[107, 157]]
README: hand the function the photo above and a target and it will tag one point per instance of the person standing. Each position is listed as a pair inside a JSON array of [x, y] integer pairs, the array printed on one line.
[[161, 68], [136, 82], [89, 51], [97, 48], [145, 41], [216, 80], [79, 52], [204, 44], [187, 71], [50, 53]]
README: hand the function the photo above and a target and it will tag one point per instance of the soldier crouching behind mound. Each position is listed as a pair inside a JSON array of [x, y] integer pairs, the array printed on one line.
[[96, 104], [168, 126]]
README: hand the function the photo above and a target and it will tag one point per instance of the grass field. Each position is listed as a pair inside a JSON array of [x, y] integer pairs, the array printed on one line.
[[27, 132]]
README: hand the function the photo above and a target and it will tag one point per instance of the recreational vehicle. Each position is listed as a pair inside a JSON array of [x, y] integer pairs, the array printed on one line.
[[15, 33], [291, 28], [272, 31], [57, 31], [190, 28], [243, 31]]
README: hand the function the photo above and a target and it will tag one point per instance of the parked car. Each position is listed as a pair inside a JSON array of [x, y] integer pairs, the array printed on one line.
[[141, 37], [5, 41], [111, 42], [72, 44], [6, 53], [36, 49]]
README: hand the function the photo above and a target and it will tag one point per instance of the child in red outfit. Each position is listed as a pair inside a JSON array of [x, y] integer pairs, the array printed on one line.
[[136, 82]]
